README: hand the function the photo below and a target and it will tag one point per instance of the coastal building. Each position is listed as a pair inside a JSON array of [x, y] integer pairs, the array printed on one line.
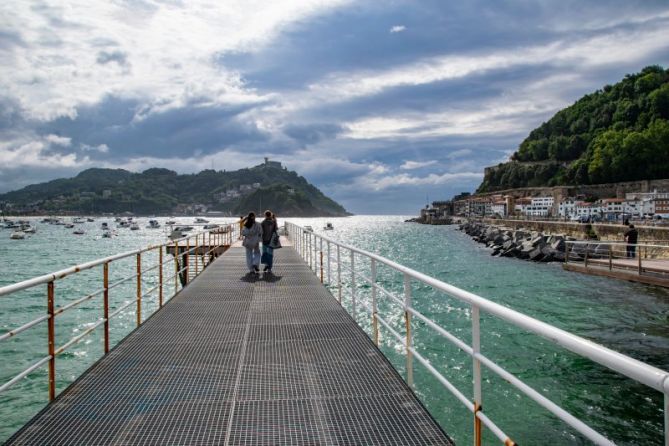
[[499, 208], [521, 205], [662, 207], [106, 194], [539, 207], [612, 208], [567, 208]]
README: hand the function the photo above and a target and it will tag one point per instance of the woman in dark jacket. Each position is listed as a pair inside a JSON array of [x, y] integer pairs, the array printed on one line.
[[269, 227], [252, 233]]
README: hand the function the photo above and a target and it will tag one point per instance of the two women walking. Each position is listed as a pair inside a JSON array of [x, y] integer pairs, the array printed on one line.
[[253, 233]]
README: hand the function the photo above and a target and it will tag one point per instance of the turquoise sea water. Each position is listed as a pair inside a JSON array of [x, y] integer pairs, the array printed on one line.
[[630, 318]]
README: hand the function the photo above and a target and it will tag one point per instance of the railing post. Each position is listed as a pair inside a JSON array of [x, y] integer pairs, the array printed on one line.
[[197, 244], [638, 254], [321, 250], [160, 277], [409, 335], [353, 299], [587, 250], [176, 267], [187, 260], [52, 340], [476, 347], [139, 289], [339, 273], [610, 257], [329, 267], [566, 252], [105, 300], [375, 322]]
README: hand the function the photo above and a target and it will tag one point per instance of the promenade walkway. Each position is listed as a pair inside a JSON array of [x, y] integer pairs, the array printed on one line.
[[241, 360]]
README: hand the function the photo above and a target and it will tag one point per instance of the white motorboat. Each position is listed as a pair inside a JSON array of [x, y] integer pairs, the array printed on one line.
[[201, 220], [328, 227], [69, 226], [107, 234], [78, 232], [104, 226], [153, 224], [28, 229], [134, 227], [78, 220], [90, 220], [18, 235]]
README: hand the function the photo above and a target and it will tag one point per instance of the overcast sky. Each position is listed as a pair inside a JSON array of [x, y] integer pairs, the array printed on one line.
[[381, 104]]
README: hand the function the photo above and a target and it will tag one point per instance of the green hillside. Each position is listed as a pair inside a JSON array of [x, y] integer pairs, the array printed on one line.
[[618, 133], [162, 191]]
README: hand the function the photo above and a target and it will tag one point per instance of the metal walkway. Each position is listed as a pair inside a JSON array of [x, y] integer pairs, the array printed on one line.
[[240, 360]]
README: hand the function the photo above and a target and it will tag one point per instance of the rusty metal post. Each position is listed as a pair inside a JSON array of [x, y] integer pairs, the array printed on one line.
[[52, 341], [105, 284], [409, 334], [321, 266], [176, 267], [186, 259], [139, 289], [476, 348], [197, 244], [160, 277], [587, 250]]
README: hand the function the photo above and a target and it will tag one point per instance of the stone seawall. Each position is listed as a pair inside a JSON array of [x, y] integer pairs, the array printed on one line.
[[603, 231]]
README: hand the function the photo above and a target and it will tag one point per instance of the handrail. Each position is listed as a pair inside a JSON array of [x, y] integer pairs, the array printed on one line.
[[653, 377], [216, 239]]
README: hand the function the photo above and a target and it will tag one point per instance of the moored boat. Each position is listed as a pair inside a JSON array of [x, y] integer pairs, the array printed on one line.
[[17, 235]]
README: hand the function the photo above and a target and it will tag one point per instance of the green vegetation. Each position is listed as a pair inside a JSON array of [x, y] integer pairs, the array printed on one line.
[[619, 133], [162, 191]]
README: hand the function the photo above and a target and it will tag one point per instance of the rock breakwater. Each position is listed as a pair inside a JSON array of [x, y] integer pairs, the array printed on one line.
[[518, 243]]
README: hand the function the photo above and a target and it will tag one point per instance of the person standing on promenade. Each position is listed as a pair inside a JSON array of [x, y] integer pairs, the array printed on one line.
[[252, 233], [631, 237], [269, 227]]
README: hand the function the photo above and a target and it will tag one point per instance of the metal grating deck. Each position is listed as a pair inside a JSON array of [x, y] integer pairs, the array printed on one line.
[[241, 361]]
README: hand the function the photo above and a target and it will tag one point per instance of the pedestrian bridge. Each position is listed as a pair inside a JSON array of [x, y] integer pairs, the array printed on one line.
[[274, 359]]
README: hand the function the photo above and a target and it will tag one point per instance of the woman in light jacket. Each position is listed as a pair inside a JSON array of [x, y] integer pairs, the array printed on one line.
[[252, 233]]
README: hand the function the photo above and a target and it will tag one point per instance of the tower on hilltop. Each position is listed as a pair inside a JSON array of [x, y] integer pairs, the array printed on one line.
[[269, 163]]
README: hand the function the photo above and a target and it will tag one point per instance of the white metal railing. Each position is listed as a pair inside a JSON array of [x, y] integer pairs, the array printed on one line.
[[645, 259], [309, 245], [202, 246]]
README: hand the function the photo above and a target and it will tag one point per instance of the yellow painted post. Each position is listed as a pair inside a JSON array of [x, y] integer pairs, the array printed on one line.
[[139, 289], [52, 341], [105, 284]]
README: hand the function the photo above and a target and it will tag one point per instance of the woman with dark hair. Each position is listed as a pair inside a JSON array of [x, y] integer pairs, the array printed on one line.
[[269, 227], [252, 233]]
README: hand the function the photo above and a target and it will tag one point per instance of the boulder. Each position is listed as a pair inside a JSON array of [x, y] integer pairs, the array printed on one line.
[[536, 255]]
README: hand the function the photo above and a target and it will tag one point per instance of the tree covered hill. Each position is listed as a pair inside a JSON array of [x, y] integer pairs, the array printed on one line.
[[618, 133], [162, 191]]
